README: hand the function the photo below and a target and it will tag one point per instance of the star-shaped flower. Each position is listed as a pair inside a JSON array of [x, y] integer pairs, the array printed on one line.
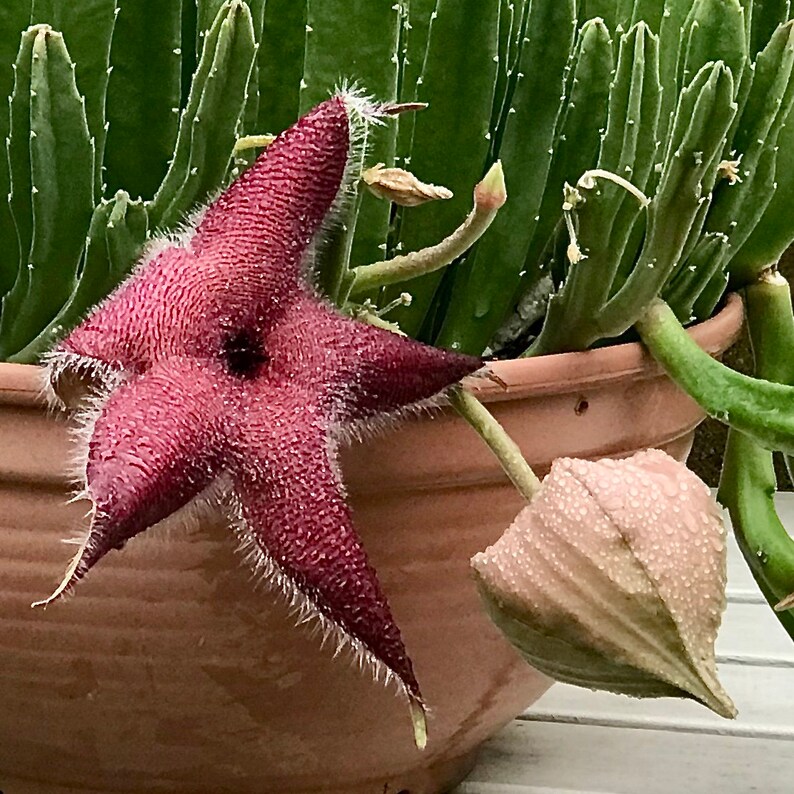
[[218, 362]]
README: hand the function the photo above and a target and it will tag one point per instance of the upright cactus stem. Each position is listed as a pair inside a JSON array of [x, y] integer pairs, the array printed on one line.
[[53, 200]]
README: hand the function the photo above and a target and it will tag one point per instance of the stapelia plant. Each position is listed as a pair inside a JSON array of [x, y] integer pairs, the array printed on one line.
[[218, 360]]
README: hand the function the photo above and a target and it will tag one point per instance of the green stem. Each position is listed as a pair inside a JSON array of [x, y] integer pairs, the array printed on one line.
[[499, 442], [489, 196], [748, 482], [762, 409]]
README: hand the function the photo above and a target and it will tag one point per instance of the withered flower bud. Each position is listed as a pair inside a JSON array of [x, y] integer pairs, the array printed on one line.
[[401, 187]]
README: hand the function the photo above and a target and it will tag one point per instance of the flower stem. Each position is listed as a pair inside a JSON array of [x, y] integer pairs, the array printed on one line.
[[504, 448], [489, 196]]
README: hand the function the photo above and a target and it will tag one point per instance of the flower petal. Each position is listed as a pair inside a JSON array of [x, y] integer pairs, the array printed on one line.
[[152, 448], [365, 371], [257, 232], [295, 518]]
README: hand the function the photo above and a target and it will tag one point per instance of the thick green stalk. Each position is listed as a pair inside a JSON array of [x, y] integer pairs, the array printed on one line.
[[87, 27], [13, 21], [748, 481], [209, 124], [57, 154], [118, 232], [450, 139], [761, 409], [281, 64], [143, 104], [358, 42], [485, 286]]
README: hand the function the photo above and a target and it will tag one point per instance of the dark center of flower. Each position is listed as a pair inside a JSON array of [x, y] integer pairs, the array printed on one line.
[[244, 354]]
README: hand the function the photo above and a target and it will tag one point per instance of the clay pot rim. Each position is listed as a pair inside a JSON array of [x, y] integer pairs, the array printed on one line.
[[559, 373]]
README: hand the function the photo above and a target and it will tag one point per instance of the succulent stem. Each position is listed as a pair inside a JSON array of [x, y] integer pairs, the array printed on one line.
[[748, 481]]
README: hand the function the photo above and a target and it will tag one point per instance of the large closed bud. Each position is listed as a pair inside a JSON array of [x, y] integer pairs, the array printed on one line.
[[613, 578]]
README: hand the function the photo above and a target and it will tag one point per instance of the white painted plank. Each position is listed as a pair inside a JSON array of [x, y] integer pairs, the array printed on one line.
[[603, 760], [751, 632], [764, 698]]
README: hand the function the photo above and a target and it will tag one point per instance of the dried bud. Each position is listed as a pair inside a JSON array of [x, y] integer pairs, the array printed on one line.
[[401, 187], [614, 578]]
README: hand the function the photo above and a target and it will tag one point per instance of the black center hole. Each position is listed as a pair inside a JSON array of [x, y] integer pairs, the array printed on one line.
[[244, 354]]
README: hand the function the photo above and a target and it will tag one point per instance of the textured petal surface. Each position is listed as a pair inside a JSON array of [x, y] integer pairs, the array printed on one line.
[[614, 578], [364, 371], [286, 475], [153, 447]]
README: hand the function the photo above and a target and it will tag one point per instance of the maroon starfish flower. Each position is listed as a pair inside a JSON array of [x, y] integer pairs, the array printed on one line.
[[219, 362]]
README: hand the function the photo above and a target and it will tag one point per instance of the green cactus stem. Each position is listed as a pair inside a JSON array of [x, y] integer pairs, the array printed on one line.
[[748, 481], [454, 158], [143, 124], [52, 185], [578, 137], [370, 55], [485, 286], [88, 29], [208, 126], [118, 232]]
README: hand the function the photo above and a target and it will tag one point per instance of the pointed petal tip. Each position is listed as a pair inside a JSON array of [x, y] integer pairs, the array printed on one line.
[[419, 721]]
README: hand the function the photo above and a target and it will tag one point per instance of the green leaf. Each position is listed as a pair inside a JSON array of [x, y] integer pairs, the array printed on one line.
[[144, 95], [210, 122], [87, 27], [57, 171]]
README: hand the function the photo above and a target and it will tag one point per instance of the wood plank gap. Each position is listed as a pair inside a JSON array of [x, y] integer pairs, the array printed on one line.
[[653, 724]]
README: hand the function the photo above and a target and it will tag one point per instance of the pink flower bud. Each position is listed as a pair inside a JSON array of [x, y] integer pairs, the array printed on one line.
[[614, 578]]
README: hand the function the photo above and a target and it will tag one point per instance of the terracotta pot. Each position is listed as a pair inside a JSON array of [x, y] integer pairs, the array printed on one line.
[[168, 672]]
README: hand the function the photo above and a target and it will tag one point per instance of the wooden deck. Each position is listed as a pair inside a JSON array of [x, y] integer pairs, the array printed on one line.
[[574, 741]]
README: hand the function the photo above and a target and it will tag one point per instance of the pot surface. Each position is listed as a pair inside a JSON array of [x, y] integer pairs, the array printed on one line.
[[170, 671]]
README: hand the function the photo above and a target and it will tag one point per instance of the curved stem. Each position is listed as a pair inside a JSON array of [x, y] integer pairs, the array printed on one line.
[[489, 196], [500, 443]]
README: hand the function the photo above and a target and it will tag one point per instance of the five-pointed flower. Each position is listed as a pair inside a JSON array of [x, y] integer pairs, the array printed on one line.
[[217, 360]]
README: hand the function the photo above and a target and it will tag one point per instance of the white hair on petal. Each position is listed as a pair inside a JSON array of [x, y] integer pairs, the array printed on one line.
[[266, 570]]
